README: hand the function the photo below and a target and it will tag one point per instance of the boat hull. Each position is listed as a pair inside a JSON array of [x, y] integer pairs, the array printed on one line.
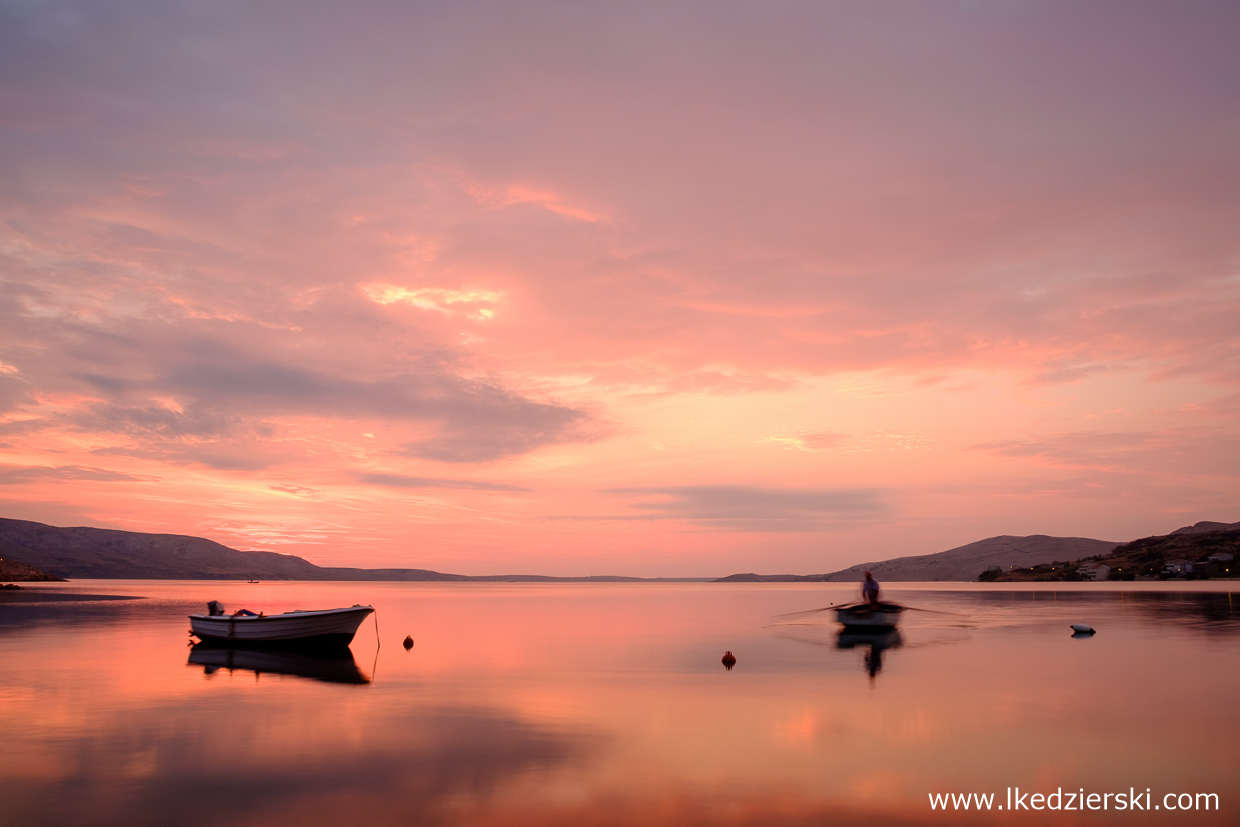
[[869, 617], [330, 627]]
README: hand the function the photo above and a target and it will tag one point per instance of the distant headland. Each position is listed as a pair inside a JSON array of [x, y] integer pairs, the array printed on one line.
[[1197, 552], [1041, 558], [14, 572], [109, 554]]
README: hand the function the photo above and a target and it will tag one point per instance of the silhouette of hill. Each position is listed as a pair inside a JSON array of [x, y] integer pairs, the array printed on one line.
[[109, 554], [966, 562], [15, 572]]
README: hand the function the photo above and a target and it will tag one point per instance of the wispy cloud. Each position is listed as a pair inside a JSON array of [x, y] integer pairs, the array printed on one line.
[[747, 508], [477, 304], [404, 481], [818, 441], [1210, 451], [297, 490], [517, 194], [18, 474], [812, 441]]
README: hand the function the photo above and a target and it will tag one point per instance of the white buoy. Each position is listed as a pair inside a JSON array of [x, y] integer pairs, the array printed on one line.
[[1084, 629]]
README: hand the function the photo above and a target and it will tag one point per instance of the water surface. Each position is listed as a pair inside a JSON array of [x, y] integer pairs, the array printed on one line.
[[583, 704]]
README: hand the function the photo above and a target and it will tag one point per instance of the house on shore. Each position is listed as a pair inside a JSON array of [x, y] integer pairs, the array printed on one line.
[[1094, 571]]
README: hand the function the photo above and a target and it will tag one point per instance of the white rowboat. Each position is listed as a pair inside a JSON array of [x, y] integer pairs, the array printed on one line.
[[334, 627]]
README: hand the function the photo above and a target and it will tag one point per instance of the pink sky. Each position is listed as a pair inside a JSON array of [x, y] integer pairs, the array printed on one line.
[[660, 289]]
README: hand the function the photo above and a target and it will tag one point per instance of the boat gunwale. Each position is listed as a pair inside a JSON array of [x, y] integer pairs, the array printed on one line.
[[869, 616]]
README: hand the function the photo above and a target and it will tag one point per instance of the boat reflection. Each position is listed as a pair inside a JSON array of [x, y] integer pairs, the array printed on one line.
[[334, 665], [877, 642]]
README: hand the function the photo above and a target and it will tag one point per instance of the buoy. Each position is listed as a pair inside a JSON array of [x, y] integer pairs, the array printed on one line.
[[729, 660], [1081, 628], [408, 641]]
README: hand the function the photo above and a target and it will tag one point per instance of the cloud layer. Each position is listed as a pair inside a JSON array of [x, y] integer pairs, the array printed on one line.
[[300, 262], [745, 508]]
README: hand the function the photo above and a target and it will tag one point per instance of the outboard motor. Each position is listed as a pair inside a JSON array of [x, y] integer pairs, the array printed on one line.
[[215, 608]]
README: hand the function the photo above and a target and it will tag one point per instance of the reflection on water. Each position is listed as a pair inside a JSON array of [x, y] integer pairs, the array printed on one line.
[[1208, 612], [875, 643], [333, 665], [32, 606], [585, 704], [1216, 611]]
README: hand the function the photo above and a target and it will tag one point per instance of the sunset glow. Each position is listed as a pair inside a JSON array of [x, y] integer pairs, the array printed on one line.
[[653, 289]]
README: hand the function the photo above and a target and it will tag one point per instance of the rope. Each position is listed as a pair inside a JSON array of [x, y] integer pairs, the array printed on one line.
[[374, 667]]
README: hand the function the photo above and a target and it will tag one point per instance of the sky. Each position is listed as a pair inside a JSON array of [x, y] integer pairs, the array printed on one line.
[[656, 289]]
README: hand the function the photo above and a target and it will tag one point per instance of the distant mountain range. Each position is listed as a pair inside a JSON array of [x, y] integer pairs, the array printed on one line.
[[108, 554], [968, 561], [126, 555], [963, 563]]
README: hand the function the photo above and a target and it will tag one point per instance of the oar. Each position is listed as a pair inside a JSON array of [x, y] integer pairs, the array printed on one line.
[[933, 611], [811, 611], [854, 605]]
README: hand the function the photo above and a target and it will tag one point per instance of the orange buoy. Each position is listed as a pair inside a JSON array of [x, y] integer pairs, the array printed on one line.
[[408, 641], [729, 660]]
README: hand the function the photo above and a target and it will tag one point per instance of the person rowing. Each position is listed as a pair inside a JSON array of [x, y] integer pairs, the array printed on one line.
[[869, 589]]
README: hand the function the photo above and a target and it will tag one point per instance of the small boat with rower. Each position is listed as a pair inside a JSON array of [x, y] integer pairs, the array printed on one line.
[[871, 614]]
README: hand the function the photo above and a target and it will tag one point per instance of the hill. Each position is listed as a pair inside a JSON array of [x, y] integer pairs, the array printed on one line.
[[1146, 558], [15, 572], [104, 553], [962, 563], [966, 563], [1203, 527], [108, 554]]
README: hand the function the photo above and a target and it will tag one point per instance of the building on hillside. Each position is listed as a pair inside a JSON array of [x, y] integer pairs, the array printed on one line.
[[1094, 571], [1179, 567]]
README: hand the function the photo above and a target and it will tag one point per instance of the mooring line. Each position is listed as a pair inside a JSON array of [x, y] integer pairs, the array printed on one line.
[[374, 667]]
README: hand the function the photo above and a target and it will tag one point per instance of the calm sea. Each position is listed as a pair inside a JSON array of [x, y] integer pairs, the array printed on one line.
[[576, 704]]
